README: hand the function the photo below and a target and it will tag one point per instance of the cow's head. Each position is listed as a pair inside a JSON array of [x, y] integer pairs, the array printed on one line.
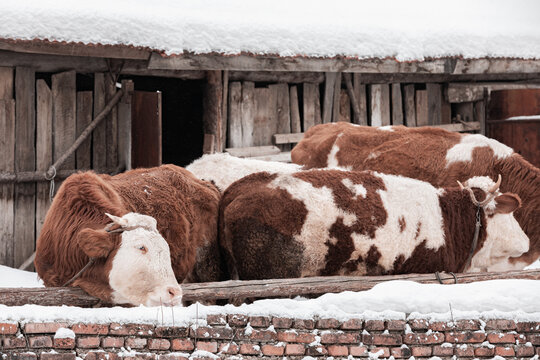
[[140, 264], [504, 236]]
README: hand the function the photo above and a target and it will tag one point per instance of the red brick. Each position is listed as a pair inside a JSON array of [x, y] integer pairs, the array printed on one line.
[[317, 350], [206, 332], [440, 326], [484, 351], [377, 325], [182, 345], [423, 338], [327, 324], [90, 329], [396, 325], [64, 343], [500, 325], [210, 346], [465, 337], [382, 339], [382, 352], [305, 338], [338, 350], [237, 320], [112, 342], [273, 350], [259, 321], [131, 329], [136, 343], [43, 328], [439, 350], [229, 348], [40, 342], [534, 339], [100, 355], [8, 328], [401, 352], [522, 351], [88, 342], [287, 336], [352, 324], [358, 350], [464, 325], [57, 356], [419, 324], [172, 357], [159, 344], [304, 324], [171, 331], [295, 349], [23, 356], [418, 351], [12, 342], [263, 335], [504, 351], [216, 319], [282, 323], [500, 338], [250, 349], [339, 338], [528, 326], [464, 351]]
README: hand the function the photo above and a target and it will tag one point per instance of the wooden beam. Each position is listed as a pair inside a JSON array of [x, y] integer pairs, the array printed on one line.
[[124, 125], [234, 138], [290, 77], [7, 196], [458, 93], [410, 105], [99, 135], [328, 101], [288, 138], [397, 104], [336, 98], [213, 107], [224, 111], [360, 94], [270, 288]]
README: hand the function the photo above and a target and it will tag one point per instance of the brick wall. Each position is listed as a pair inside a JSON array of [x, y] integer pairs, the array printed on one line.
[[245, 337]]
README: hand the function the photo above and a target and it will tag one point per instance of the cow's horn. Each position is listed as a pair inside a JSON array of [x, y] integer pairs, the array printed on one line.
[[460, 185], [117, 220], [496, 186]]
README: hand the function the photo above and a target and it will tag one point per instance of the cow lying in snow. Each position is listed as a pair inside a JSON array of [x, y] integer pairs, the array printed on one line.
[[333, 222], [429, 154], [136, 260], [224, 169]]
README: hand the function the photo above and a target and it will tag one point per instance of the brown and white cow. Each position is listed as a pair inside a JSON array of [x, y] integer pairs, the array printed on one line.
[[438, 156], [333, 222], [163, 231]]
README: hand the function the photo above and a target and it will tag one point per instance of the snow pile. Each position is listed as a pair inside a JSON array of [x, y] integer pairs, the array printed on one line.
[[11, 278], [405, 30]]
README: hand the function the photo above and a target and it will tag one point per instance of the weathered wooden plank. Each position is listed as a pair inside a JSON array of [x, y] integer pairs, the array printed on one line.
[[328, 101], [99, 135], [434, 98], [257, 288], [397, 105], [336, 98], [6, 82], [146, 130], [212, 106], [309, 105], [446, 108], [234, 137], [7, 163], [479, 113], [111, 139], [124, 125], [208, 144], [25, 160], [38, 176], [421, 108], [253, 151], [344, 106], [459, 127], [458, 92], [248, 112], [283, 111], [83, 155], [288, 138], [224, 111], [360, 94], [465, 111], [288, 77], [44, 148], [295, 110], [380, 105], [284, 156], [265, 118], [64, 115], [409, 105], [318, 113]]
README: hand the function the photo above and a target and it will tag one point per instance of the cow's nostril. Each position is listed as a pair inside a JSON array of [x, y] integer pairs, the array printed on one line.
[[173, 291]]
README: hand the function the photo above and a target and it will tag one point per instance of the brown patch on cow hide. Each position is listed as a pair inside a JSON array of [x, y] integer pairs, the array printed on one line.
[[402, 224]]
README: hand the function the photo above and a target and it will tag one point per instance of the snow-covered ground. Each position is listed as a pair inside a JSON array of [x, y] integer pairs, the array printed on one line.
[[405, 30], [508, 299]]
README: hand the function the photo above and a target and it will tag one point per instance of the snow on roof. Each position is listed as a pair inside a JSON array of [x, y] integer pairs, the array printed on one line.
[[404, 30]]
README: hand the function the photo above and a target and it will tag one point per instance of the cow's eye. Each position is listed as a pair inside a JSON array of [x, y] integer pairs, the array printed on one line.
[[143, 249]]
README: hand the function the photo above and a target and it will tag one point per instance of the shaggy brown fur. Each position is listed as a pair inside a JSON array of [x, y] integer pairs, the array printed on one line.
[[420, 153], [185, 208]]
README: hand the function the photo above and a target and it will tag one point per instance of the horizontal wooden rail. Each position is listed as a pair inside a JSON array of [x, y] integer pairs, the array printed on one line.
[[37, 176], [255, 288]]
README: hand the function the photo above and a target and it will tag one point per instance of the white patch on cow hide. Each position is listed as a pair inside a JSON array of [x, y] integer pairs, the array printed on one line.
[[386, 128], [416, 202], [332, 161], [463, 151], [224, 169], [356, 189], [322, 213], [485, 183]]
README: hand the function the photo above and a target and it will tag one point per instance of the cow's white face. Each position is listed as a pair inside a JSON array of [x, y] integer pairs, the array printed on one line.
[[141, 270]]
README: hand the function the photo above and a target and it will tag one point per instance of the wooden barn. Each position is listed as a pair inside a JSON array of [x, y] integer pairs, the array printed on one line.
[[69, 103]]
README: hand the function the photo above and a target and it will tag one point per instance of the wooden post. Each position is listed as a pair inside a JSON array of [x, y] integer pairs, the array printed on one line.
[[84, 118], [352, 96], [328, 101], [360, 94], [248, 112], [410, 105], [235, 115], [111, 125], [224, 111], [397, 104], [124, 125], [265, 119], [44, 148], [446, 109], [7, 163], [421, 108], [434, 99], [344, 106], [212, 106], [25, 160], [479, 115], [380, 105], [336, 98], [296, 126], [310, 98], [283, 112], [99, 141]]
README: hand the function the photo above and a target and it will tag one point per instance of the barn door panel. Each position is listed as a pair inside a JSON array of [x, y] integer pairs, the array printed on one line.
[[146, 129]]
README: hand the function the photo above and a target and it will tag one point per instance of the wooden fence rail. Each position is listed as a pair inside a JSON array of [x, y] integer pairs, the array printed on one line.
[[255, 288]]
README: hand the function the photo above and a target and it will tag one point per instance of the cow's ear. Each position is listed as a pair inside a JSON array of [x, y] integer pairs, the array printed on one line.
[[507, 203], [95, 243]]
